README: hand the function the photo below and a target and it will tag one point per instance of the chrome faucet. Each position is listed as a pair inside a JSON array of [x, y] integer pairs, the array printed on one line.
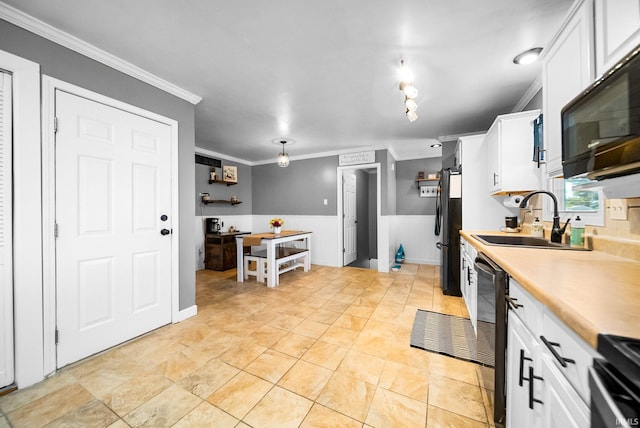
[[556, 230]]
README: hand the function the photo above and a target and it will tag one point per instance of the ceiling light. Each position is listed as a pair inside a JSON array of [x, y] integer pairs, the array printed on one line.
[[436, 145], [409, 90], [528, 56], [406, 75], [283, 158], [410, 103]]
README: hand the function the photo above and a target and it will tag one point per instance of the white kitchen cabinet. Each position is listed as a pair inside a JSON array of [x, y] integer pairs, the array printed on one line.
[[617, 31], [567, 69], [542, 348], [561, 406], [475, 191], [522, 351], [510, 152]]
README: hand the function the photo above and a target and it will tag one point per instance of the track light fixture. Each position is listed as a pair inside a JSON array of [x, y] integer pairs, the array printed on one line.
[[410, 92]]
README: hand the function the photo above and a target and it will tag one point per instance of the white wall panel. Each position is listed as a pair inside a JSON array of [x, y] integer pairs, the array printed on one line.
[[415, 233]]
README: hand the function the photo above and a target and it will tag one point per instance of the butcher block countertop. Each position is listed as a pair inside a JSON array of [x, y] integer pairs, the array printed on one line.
[[590, 291]]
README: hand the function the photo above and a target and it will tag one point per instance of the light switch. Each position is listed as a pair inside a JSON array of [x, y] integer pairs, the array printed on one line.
[[326, 202]]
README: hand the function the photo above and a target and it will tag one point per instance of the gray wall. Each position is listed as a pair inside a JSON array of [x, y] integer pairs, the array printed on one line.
[[299, 189], [408, 197], [72, 67], [221, 191], [388, 180]]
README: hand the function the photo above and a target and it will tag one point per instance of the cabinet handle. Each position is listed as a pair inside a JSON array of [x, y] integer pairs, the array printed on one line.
[[495, 179], [521, 378], [512, 301], [469, 275], [551, 346], [531, 378]]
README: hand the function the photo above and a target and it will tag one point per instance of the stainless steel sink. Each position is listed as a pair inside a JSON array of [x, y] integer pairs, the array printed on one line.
[[523, 241]]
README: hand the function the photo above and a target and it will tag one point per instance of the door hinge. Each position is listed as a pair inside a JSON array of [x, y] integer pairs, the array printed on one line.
[[344, 250], [55, 125], [55, 230], [57, 334]]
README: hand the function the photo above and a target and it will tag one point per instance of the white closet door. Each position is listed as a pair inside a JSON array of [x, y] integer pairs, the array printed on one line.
[[113, 211], [6, 238]]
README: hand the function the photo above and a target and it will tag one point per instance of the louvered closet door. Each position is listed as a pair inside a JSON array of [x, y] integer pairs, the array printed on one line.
[[6, 241]]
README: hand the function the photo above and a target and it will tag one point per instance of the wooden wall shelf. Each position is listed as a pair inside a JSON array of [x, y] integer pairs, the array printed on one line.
[[228, 183], [221, 201]]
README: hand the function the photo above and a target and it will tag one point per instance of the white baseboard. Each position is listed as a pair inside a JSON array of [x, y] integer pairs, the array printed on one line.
[[187, 313], [422, 261]]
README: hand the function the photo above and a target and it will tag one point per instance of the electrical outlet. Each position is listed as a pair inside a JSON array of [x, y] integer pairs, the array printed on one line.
[[618, 209]]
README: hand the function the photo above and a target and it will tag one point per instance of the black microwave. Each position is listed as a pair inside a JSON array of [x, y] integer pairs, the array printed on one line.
[[601, 126]]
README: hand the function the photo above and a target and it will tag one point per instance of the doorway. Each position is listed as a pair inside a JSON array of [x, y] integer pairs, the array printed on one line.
[[359, 210]]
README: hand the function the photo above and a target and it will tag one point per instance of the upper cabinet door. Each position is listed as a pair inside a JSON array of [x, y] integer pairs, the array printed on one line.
[[617, 31], [567, 69]]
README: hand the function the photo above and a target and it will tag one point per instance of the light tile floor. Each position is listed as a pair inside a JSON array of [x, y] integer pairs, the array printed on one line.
[[327, 348]]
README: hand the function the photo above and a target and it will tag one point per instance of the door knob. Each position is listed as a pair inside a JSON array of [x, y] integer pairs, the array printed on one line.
[[165, 231], [164, 217]]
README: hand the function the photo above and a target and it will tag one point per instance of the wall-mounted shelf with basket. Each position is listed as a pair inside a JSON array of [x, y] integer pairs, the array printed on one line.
[[428, 186]]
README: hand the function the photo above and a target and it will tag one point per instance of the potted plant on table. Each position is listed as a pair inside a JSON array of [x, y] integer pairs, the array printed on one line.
[[276, 225]]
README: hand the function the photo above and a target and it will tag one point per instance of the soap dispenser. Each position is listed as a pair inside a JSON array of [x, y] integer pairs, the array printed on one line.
[[577, 232], [537, 228]]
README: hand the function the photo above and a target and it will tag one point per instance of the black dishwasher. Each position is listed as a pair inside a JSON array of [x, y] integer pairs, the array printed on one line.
[[493, 284]]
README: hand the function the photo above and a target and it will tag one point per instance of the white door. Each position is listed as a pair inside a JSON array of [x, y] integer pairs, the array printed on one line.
[[113, 200], [350, 219], [6, 239]]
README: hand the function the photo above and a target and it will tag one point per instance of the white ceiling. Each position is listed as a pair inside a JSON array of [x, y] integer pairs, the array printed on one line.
[[323, 72]]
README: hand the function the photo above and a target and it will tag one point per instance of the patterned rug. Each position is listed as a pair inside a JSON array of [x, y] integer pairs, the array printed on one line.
[[453, 336]]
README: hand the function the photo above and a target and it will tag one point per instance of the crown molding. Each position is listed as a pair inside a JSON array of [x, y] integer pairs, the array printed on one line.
[[34, 25], [535, 87]]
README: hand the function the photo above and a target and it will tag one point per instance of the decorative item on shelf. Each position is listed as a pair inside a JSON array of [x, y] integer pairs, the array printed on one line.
[[206, 197], [212, 175], [420, 175], [234, 199], [410, 92], [230, 174], [276, 225]]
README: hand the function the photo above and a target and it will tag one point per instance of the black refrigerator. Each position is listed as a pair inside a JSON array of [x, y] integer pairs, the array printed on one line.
[[448, 225]]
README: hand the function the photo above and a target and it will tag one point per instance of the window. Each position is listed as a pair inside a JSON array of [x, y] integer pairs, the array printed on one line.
[[576, 196]]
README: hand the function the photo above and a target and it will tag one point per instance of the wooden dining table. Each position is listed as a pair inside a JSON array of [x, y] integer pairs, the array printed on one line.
[[271, 241]]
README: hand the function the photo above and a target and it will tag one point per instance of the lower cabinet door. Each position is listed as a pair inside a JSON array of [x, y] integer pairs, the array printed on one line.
[[521, 358], [563, 407]]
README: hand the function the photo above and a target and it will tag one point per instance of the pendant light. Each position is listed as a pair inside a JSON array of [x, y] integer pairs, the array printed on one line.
[[283, 158]]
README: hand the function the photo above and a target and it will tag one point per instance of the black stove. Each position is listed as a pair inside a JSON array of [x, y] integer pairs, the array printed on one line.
[[614, 381]]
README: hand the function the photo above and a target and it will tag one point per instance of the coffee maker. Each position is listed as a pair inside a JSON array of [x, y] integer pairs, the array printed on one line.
[[213, 225]]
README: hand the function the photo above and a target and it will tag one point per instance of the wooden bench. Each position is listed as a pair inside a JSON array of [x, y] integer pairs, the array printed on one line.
[[287, 259]]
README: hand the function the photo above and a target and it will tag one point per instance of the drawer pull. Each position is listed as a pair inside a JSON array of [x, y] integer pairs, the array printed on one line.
[[551, 346], [531, 378], [521, 378], [512, 301]]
